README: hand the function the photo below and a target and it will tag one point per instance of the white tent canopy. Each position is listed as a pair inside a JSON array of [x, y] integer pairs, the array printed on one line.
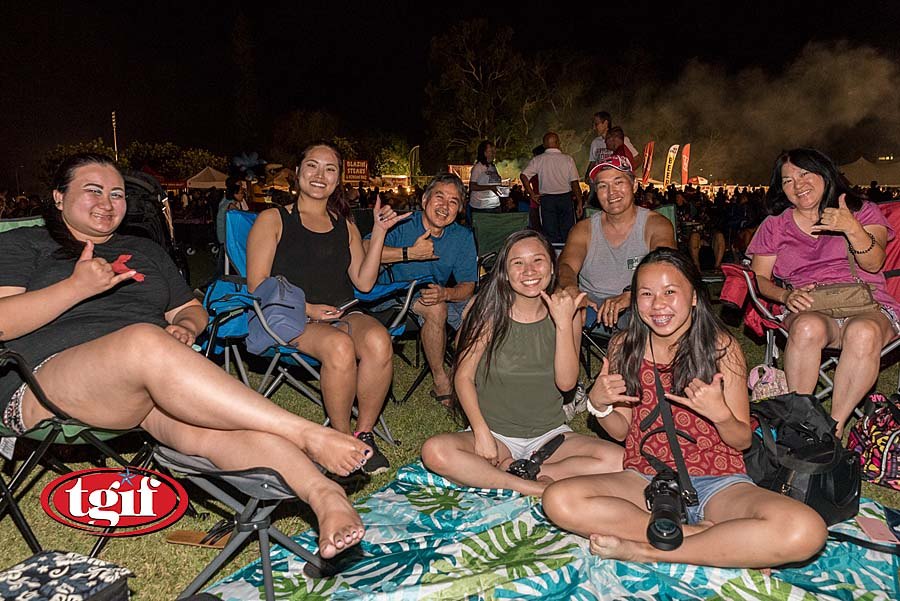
[[861, 172], [208, 178]]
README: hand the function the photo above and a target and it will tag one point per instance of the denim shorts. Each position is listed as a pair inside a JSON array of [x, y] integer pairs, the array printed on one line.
[[454, 311], [706, 487], [12, 415]]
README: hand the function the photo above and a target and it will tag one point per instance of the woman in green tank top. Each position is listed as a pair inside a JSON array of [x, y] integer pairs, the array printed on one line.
[[518, 348]]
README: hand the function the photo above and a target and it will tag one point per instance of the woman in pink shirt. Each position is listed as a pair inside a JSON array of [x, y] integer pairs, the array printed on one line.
[[808, 244]]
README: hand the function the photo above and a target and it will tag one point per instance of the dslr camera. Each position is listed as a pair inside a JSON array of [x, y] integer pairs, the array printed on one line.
[[667, 511]]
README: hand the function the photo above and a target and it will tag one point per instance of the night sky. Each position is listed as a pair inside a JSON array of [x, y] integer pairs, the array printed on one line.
[[168, 69]]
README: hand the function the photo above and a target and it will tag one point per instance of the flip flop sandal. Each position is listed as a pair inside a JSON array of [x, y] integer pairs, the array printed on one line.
[[446, 400], [214, 538]]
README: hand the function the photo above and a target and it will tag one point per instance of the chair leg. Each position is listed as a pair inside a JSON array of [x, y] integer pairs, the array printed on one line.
[[385, 432], [265, 380], [266, 560], [234, 544], [239, 366], [423, 373], [7, 501], [250, 520], [318, 566], [33, 459]]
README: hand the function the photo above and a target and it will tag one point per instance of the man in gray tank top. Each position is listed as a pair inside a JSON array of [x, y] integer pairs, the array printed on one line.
[[602, 252]]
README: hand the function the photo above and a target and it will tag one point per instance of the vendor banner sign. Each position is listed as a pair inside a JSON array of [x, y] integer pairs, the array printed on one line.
[[356, 171], [648, 161], [670, 162], [685, 160]]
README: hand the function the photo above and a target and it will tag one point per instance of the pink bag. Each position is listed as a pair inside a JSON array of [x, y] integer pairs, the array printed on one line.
[[766, 381]]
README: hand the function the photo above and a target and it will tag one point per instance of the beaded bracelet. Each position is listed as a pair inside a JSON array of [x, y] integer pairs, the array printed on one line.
[[862, 252]]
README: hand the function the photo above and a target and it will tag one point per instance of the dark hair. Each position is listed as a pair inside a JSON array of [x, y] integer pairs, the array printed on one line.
[[232, 185], [70, 247], [337, 205], [698, 352], [814, 161], [489, 316], [480, 153], [616, 131], [445, 178], [604, 116]]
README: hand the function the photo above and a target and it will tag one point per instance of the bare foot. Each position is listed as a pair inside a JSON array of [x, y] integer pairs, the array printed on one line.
[[337, 452], [839, 431], [442, 385], [340, 527], [611, 547], [534, 488]]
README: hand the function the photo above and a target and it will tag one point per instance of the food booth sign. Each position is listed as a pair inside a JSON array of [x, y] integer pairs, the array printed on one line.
[[355, 171]]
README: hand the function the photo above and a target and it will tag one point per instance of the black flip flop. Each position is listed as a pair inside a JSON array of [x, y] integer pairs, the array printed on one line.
[[446, 400]]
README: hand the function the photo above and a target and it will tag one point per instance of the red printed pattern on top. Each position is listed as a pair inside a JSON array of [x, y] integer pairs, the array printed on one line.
[[709, 456]]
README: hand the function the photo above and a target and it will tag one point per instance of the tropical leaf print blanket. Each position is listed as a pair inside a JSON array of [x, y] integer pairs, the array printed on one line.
[[427, 538]]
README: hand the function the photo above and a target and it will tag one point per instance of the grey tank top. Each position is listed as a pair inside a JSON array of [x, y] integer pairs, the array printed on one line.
[[607, 269]]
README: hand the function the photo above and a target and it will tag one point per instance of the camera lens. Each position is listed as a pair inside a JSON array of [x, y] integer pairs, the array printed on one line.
[[666, 512], [664, 534]]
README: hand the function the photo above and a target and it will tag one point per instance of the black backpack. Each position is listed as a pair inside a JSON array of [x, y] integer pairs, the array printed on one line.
[[793, 452], [144, 216]]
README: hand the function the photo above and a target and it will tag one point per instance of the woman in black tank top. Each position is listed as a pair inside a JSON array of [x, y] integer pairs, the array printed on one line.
[[316, 245]]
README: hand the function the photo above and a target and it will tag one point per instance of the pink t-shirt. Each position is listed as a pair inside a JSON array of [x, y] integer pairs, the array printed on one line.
[[801, 259]]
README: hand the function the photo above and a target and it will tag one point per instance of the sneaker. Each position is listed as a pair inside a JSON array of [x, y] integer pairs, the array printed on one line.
[[578, 404], [377, 462]]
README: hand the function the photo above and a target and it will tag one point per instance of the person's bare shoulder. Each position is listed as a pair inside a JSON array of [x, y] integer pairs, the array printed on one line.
[[577, 242], [659, 231]]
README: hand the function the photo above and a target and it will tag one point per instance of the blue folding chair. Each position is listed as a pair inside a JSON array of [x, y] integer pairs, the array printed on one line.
[[229, 303]]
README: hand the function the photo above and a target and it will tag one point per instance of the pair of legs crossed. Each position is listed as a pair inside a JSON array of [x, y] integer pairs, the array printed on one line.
[[860, 339], [142, 376], [452, 455], [744, 526], [343, 379]]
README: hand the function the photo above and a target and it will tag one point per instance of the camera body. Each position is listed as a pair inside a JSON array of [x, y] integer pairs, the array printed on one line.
[[525, 469], [667, 511]]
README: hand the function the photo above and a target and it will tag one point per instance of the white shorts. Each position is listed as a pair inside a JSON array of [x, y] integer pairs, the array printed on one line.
[[522, 448]]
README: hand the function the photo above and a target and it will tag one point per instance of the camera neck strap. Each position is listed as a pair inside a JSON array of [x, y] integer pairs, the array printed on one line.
[[665, 412]]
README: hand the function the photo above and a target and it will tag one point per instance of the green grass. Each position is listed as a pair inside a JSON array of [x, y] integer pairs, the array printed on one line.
[[162, 570]]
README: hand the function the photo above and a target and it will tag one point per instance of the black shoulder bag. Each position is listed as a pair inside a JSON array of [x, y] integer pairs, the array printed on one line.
[[794, 453]]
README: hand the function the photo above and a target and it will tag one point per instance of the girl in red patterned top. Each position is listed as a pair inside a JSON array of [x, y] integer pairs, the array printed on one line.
[[735, 523]]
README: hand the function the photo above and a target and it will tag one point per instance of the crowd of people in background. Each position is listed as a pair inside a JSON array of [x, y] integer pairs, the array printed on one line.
[[16, 207]]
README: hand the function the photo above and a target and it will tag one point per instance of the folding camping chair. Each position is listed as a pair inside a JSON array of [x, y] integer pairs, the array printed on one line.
[[765, 319], [60, 429], [230, 308], [11, 224], [263, 490], [491, 231]]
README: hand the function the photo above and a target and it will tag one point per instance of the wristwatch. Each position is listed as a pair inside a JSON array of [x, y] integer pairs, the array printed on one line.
[[405, 254]]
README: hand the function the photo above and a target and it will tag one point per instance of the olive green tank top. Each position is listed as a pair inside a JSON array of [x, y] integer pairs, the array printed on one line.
[[519, 397]]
